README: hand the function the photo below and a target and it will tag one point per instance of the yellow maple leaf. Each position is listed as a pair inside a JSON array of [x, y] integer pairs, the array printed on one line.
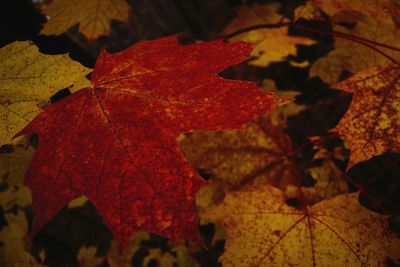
[[93, 16], [27, 79], [354, 57], [272, 45], [370, 125], [262, 230], [78, 202], [79, 84]]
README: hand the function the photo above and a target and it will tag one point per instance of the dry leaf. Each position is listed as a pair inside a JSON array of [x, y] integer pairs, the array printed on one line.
[[265, 231], [353, 57], [27, 79], [93, 16], [370, 125]]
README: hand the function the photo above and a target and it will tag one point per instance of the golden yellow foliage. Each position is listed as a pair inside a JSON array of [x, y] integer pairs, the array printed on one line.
[[78, 202], [93, 16], [272, 45], [371, 124], [354, 57], [27, 80], [79, 84], [265, 231]]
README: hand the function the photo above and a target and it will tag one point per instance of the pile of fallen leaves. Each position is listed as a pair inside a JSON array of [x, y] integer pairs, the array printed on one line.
[[274, 144]]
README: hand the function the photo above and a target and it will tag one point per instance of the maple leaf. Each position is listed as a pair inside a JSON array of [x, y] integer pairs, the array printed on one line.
[[382, 10], [116, 143], [93, 16], [262, 230], [353, 57], [257, 154], [27, 79], [272, 45], [370, 125]]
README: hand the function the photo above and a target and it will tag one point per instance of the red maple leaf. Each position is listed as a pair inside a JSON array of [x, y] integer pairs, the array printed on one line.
[[116, 143]]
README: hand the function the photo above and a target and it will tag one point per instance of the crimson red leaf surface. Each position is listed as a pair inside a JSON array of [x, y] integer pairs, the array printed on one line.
[[116, 143]]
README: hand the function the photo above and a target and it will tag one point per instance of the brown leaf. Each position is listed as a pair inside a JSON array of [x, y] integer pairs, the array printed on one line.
[[371, 124], [354, 57], [257, 154], [93, 16]]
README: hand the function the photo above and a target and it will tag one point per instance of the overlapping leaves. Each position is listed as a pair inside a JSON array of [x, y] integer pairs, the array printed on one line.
[[116, 143]]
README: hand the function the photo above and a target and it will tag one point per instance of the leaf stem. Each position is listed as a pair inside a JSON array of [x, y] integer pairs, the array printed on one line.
[[345, 36], [360, 40]]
